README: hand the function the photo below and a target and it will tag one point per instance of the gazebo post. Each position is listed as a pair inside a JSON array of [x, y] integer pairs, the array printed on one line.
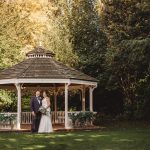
[[66, 106], [55, 103], [91, 89], [83, 98], [18, 87]]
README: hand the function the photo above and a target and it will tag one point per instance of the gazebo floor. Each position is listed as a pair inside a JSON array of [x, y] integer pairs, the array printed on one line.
[[56, 127]]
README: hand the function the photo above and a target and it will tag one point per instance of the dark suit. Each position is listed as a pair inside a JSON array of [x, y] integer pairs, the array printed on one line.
[[35, 103]]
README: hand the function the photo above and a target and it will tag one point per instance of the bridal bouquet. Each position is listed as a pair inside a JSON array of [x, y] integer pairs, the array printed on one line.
[[43, 110]]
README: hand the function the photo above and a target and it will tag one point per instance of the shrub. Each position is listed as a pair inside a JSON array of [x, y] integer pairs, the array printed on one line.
[[101, 119], [7, 117], [82, 119]]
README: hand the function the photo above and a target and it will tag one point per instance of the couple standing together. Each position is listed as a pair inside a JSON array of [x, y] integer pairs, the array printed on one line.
[[41, 123]]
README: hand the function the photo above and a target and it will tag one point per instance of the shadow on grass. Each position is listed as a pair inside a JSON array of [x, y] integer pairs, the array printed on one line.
[[92, 140]]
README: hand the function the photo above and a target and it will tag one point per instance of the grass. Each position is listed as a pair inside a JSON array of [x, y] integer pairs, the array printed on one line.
[[110, 139]]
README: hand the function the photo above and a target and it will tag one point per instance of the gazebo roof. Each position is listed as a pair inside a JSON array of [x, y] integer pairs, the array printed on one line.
[[40, 64]]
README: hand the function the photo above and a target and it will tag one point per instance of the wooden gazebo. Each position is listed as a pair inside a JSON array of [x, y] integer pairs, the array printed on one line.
[[42, 70]]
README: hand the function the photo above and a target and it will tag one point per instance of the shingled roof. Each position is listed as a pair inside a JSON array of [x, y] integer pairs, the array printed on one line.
[[40, 64]]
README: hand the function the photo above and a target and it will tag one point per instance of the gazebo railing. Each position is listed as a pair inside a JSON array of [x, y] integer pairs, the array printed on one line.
[[57, 117], [26, 118]]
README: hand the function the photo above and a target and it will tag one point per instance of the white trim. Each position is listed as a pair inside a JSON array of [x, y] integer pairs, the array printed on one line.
[[16, 81], [91, 89], [66, 107], [91, 98], [8, 81], [83, 82], [83, 98], [18, 87], [69, 81]]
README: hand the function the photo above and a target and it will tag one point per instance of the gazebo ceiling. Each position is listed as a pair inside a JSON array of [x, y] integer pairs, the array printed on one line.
[[41, 66]]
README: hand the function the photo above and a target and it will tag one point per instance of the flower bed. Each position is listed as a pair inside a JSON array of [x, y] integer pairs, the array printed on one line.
[[82, 119], [7, 120]]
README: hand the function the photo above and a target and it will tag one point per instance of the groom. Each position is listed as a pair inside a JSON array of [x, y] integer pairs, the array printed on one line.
[[35, 103]]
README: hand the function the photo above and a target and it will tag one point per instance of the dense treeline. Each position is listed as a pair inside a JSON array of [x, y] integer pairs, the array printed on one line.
[[108, 40], [126, 24]]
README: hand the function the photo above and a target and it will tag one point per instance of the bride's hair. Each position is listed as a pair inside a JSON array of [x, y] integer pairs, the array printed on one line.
[[47, 93]]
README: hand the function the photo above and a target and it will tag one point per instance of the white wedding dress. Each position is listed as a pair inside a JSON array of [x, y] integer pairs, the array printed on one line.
[[45, 123]]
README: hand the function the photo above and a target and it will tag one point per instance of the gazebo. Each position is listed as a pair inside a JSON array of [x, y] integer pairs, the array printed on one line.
[[40, 69]]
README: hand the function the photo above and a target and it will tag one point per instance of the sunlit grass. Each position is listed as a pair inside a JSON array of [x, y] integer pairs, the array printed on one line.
[[117, 139]]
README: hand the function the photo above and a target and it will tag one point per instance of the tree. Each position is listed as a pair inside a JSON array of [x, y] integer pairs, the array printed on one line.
[[127, 28], [88, 39], [25, 24]]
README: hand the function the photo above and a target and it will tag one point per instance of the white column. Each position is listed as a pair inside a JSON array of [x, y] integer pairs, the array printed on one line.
[[91, 89], [66, 106], [55, 105], [18, 105], [83, 99]]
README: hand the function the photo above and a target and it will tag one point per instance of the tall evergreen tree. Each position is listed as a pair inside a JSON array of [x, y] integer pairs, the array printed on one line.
[[126, 24]]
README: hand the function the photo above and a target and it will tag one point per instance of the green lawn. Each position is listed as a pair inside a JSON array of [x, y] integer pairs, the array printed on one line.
[[110, 139]]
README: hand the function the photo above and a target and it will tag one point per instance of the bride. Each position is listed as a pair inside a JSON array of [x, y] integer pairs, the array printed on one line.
[[45, 123]]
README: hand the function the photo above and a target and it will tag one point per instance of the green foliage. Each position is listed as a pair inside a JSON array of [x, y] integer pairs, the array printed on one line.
[[24, 24], [7, 117], [8, 100], [81, 119], [102, 119], [9, 41], [127, 60], [89, 40]]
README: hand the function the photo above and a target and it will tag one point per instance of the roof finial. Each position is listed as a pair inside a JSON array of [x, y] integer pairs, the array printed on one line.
[[40, 43]]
